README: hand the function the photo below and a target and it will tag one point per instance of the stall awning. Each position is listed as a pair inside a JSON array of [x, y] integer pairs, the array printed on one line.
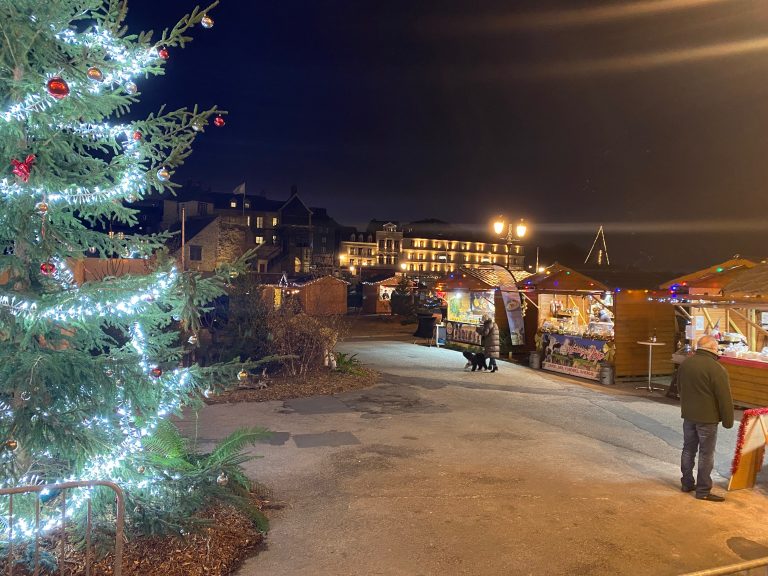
[[488, 277], [714, 277]]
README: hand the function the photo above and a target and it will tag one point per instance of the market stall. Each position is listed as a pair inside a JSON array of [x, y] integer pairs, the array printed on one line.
[[568, 321], [323, 296], [471, 293], [738, 318], [377, 294]]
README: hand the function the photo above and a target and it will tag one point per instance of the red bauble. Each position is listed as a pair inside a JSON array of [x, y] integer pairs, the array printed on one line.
[[218, 121], [163, 53], [57, 87], [137, 135], [47, 268], [156, 371]]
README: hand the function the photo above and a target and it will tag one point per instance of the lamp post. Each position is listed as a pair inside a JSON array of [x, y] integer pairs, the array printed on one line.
[[515, 233]]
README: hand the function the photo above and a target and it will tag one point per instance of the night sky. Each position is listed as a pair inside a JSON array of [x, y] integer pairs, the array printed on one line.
[[649, 117]]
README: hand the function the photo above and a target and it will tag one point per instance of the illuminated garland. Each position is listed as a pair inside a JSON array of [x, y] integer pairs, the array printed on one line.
[[133, 63], [81, 306]]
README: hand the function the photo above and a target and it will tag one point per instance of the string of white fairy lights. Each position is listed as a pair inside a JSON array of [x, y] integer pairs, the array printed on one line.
[[130, 62], [177, 382]]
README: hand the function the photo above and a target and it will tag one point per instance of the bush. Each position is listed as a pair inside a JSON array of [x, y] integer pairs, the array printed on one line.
[[307, 342]]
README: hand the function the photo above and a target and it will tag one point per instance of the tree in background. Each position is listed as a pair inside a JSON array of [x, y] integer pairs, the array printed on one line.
[[401, 300], [89, 373]]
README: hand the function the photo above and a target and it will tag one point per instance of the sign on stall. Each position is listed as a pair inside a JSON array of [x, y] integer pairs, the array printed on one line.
[[573, 355]]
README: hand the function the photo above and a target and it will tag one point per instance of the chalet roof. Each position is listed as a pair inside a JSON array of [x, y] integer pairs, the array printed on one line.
[[557, 270], [301, 280], [382, 279], [715, 276], [617, 277], [491, 276], [751, 283]]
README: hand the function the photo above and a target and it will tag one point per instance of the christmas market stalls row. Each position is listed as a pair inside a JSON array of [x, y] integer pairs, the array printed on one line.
[[730, 302], [572, 323]]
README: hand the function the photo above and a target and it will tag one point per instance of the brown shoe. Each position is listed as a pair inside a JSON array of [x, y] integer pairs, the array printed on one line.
[[711, 498]]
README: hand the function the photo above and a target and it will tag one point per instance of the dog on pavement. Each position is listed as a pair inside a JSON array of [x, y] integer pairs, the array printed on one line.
[[475, 360]]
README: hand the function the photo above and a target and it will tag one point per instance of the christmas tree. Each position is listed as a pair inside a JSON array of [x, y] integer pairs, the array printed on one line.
[[89, 372]]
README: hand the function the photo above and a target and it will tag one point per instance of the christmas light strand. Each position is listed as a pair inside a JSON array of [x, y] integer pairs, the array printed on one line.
[[81, 306]]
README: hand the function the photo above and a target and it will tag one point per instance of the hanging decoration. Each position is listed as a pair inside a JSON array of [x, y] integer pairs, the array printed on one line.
[[163, 175], [95, 74], [131, 87], [163, 53], [242, 375], [23, 168], [41, 208], [222, 479], [219, 121], [192, 339], [750, 449], [206, 21], [137, 135], [11, 444], [57, 87], [156, 371], [47, 268], [198, 125]]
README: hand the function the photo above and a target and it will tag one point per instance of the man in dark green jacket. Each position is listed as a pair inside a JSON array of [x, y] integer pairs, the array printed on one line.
[[705, 400]]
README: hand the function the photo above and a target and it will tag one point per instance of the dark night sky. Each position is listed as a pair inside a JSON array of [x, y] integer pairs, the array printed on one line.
[[570, 114]]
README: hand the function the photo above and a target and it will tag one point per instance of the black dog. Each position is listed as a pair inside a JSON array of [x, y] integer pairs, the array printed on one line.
[[477, 361]]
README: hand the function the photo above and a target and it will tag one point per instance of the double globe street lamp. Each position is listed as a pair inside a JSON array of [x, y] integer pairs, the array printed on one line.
[[515, 232]]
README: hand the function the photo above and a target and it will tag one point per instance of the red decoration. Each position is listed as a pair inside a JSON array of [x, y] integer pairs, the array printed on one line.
[[218, 121], [22, 169], [57, 87], [163, 53], [156, 371], [47, 268], [746, 417], [137, 135]]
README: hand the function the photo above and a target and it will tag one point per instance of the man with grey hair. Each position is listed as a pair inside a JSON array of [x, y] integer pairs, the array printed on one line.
[[705, 401]]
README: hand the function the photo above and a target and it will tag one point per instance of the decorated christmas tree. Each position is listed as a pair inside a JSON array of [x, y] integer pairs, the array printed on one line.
[[91, 371]]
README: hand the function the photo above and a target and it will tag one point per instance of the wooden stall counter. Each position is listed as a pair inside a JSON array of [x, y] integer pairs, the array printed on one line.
[[749, 380]]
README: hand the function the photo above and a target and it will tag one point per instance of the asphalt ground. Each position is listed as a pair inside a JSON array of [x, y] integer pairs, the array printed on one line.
[[436, 470]]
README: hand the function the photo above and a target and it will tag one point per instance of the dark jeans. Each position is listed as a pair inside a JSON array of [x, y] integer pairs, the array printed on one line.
[[699, 438], [492, 363]]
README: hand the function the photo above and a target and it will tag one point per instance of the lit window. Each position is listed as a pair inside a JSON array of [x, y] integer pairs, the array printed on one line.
[[259, 239], [233, 204], [274, 221], [259, 221], [247, 204]]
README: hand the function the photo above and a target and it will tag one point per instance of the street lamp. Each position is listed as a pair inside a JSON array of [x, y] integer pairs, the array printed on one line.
[[515, 232]]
